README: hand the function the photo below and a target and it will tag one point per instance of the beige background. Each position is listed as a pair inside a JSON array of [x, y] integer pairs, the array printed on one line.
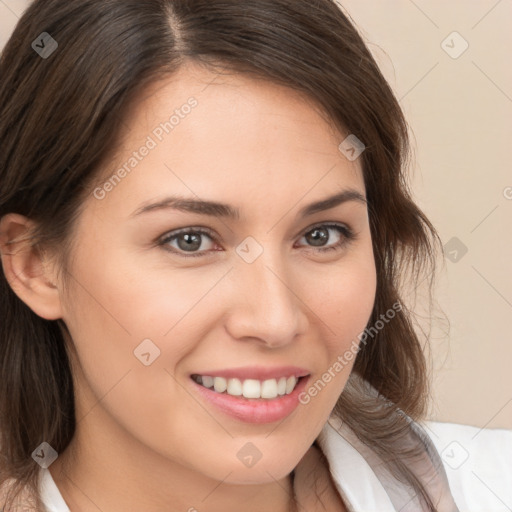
[[460, 111]]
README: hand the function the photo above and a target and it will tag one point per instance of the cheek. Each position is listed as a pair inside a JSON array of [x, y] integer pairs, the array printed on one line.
[[113, 310], [346, 297], [344, 305], [350, 303], [122, 314]]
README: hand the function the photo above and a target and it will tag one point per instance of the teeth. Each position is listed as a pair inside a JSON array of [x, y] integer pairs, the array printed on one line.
[[207, 382], [249, 388], [234, 387], [220, 384], [290, 384], [269, 388], [281, 386]]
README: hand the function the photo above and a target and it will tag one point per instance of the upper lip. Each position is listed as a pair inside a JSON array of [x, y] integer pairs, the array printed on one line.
[[256, 372]]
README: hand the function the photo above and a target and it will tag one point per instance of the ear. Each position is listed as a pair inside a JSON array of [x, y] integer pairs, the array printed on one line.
[[27, 270]]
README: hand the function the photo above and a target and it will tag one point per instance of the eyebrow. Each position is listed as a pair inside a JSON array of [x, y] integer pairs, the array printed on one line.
[[216, 209]]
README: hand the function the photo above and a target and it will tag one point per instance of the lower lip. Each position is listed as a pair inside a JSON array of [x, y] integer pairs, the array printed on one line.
[[254, 410]]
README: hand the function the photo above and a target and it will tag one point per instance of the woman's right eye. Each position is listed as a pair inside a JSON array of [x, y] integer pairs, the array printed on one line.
[[187, 240]]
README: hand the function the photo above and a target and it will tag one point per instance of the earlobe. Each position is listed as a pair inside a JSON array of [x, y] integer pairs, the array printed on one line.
[[26, 269]]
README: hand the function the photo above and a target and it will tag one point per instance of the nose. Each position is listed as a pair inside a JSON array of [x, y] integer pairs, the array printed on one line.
[[265, 305]]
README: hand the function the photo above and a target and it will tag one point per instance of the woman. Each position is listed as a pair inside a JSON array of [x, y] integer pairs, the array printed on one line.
[[205, 225]]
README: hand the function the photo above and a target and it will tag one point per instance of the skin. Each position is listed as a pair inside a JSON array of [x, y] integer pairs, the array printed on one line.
[[144, 430]]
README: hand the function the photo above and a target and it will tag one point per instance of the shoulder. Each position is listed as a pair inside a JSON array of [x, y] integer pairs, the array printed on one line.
[[478, 464], [353, 461]]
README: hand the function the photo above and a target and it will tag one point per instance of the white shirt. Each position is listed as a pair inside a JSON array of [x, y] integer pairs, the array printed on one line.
[[477, 464]]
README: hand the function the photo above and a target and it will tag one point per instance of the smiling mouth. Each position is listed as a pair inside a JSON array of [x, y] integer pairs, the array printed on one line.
[[249, 388]]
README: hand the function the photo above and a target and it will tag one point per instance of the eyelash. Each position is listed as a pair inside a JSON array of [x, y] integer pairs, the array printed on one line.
[[348, 234]]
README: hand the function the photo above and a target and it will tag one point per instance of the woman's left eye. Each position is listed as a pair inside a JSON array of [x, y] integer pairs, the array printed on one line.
[[189, 240], [321, 234]]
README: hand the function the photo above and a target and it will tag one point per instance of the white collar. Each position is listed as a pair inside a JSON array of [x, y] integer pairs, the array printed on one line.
[[364, 481], [358, 485], [50, 494]]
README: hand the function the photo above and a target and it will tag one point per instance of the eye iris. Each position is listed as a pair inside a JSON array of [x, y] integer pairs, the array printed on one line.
[[193, 241], [320, 235]]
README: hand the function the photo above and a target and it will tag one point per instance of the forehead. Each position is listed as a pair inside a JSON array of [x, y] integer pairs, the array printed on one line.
[[230, 136]]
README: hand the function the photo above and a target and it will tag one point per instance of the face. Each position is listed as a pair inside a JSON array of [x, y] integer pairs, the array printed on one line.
[[159, 294]]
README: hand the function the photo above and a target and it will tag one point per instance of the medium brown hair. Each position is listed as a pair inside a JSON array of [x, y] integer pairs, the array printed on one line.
[[61, 115]]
